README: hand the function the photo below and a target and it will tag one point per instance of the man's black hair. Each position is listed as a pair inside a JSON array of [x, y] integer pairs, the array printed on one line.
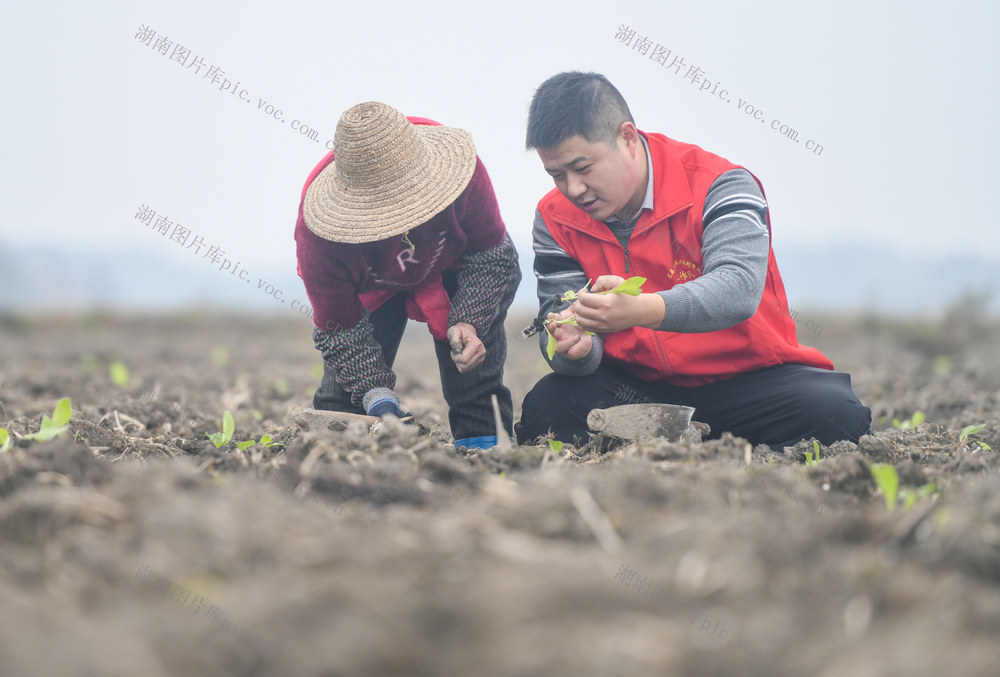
[[575, 103]]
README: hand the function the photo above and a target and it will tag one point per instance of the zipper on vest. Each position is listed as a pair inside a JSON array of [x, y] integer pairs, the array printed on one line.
[[626, 259]]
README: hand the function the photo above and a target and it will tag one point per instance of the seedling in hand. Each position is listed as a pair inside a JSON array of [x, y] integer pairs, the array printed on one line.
[[55, 426], [221, 439], [630, 287]]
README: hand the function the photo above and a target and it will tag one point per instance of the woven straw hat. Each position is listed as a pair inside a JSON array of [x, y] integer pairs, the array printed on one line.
[[388, 175]]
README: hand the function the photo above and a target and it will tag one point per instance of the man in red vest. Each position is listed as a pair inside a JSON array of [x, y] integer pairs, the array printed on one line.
[[711, 329]]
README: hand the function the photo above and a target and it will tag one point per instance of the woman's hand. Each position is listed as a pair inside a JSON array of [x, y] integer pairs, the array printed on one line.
[[467, 351]]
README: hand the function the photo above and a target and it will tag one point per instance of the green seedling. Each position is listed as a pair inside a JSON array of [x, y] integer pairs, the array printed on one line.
[[264, 441], [908, 424], [556, 446], [810, 461], [630, 287], [89, 363], [55, 426], [257, 416], [570, 295], [888, 482], [5, 441], [911, 497], [220, 356], [221, 439], [119, 373], [970, 430], [550, 347]]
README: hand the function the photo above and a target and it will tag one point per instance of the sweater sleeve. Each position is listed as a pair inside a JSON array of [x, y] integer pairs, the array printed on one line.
[[735, 248], [356, 357], [482, 279], [557, 272]]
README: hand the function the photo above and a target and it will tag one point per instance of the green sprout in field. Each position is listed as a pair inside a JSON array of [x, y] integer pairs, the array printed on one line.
[[970, 430], [909, 424], [281, 385], [810, 461], [221, 439], [887, 479], [119, 373], [630, 287], [5, 441], [888, 482], [220, 355], [555, 446], [55, 426], [911, 497], [265, 441]]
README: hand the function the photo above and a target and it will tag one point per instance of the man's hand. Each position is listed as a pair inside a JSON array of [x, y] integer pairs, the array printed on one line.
[[467, 351], [571, 341], [609, 313]]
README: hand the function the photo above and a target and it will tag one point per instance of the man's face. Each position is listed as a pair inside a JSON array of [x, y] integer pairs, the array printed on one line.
[[595, 177]]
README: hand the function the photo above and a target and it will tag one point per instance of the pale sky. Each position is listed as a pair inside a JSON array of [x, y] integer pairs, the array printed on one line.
[[904, 98]]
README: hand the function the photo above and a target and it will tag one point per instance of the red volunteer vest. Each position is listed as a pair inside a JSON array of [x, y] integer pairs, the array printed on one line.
[[665, 248]]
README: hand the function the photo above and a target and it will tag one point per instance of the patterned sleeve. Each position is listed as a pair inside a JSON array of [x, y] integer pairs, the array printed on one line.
[[356, 357], [482, 278]]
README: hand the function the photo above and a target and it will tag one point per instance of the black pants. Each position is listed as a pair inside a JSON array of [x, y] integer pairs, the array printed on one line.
[[470, 409], [777, 406]]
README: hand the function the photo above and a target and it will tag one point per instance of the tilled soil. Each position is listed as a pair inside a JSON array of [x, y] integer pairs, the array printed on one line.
[[133, 546]]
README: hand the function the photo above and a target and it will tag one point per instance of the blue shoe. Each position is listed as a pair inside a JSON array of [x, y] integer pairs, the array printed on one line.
[[484, 442]]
